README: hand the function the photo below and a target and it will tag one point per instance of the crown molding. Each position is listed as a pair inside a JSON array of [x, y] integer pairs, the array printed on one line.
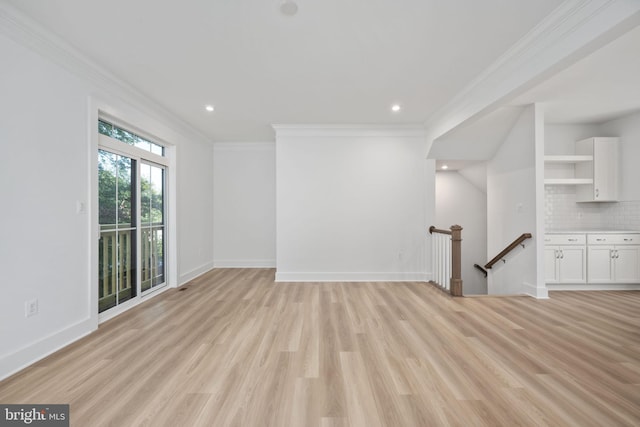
[[27, 32], [571, 32], [352, 130], [244, 146]]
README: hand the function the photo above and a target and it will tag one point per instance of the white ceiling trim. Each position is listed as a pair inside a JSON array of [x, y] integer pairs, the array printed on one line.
[[349, 130], [573, 30], [244, 146], [27, 32]]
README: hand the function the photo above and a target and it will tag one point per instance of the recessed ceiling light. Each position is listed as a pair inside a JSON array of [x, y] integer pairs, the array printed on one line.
[[209, 108], [445, 167], [395, 108], [289, 8]]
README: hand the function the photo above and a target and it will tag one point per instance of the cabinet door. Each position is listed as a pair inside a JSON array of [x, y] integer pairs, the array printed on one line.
[[550, 264], [600, 264], [572, 264], [605, 172], [627, 264]]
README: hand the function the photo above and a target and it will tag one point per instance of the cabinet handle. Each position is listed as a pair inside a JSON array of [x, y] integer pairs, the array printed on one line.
[[628, 240], [617, 255], [573, 240], [597, 193], [561, 254], [601, 240]]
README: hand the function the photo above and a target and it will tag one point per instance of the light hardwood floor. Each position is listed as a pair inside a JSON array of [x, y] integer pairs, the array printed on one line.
[[234, 348]]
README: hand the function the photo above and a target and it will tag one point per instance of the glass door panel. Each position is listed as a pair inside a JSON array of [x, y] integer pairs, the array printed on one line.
[[152, 193], [117, 219]]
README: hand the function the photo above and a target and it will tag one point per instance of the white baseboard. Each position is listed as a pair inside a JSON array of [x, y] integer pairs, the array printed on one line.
[[593, 287], [351, 277], [14, 362], [244, 263], [539, 292], [190, 275]]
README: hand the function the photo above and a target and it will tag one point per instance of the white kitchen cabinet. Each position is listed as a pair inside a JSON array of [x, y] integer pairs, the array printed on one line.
[[600, 264], [613, 258], [565, 264], [551, 264], [602, 170], [627, 264], [565, 258]]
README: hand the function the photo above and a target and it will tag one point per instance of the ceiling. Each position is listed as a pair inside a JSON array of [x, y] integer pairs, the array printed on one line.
[[334, 62], [600, 87]]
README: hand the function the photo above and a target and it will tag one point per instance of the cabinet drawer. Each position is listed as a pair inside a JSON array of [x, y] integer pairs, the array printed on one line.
[[613, 239], [565, 239]]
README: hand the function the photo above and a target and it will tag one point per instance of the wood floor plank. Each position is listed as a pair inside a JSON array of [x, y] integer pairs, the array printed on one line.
[[236, 348]]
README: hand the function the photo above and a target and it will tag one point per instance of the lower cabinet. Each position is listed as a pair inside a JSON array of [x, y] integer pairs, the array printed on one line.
[[614, 264], [565, 264], [598, 258]]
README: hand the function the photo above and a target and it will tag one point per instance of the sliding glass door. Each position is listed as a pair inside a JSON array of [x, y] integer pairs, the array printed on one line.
[[132, 216]]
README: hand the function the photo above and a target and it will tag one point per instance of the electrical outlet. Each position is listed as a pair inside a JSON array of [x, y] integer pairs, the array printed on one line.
[[31, 308]]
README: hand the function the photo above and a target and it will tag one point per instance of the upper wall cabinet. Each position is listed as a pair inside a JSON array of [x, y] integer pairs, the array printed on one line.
[[602, 171]]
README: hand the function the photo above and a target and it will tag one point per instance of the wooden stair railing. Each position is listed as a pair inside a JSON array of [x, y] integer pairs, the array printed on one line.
[[455, 282], [477, 267], [508, 249]]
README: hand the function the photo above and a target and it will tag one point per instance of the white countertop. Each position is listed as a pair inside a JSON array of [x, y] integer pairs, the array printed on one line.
[[591, 231]]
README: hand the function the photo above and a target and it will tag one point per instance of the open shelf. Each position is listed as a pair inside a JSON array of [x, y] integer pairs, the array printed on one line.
[[568, 159], [568, 181]]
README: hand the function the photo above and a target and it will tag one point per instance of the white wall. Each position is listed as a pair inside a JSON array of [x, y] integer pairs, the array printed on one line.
[[514, 184], [476, 174], [458, 201], [194, 228], [244, 204], [45, 121], [561, 138], [350, 203]]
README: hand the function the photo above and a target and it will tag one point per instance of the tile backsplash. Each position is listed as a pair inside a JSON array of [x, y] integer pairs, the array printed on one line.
[[561, 212]]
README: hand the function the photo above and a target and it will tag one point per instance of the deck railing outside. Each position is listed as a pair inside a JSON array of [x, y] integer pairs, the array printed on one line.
[[117, 264], [116, 248]]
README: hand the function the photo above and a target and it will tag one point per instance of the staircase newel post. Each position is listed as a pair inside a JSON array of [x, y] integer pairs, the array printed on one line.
[[456, 261]]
